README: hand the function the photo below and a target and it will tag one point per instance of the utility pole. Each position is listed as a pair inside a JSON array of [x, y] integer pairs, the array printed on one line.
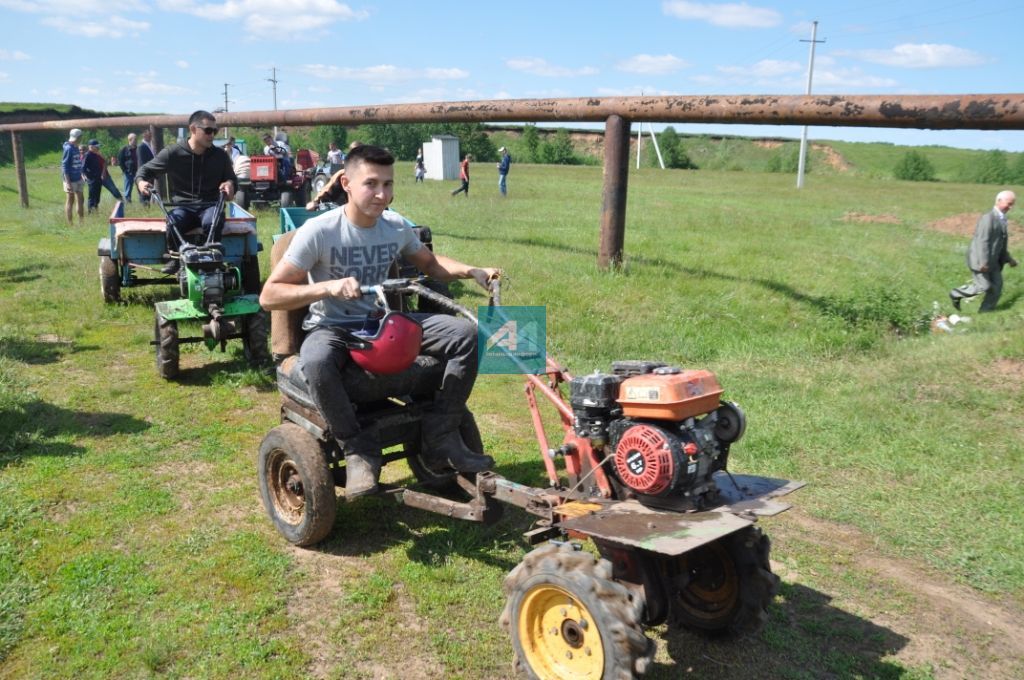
[[810, 76], [273, 79], [225, 107]]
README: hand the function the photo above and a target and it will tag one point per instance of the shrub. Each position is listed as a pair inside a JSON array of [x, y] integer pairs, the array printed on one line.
[[531, 143], [993, 169], [558, 151], [787, 160], [672, 151], [1017, 171], [914, 167]]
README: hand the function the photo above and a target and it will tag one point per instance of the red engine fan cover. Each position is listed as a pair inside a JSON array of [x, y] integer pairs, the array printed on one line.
[[644, 461]]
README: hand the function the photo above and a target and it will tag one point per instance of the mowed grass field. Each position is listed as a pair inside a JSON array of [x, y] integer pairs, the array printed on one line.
[[133, 542]]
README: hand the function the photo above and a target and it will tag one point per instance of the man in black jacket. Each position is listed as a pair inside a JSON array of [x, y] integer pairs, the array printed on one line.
[[128, 161], [198, 172]]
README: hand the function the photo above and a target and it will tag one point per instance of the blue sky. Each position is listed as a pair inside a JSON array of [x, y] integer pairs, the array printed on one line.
[[174, 56]]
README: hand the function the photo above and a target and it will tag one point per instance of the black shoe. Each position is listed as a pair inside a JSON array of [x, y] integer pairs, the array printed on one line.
[[172, 267], [956, 302], [449, 448], [361, 475]]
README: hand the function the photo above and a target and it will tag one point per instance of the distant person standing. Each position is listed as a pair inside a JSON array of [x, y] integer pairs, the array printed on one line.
[[146, 154], [128, 161], [94, 169], [503, 166], [420, 171], [71, 176], [987, 255], [464, 175], [335, 157], [232, 150]]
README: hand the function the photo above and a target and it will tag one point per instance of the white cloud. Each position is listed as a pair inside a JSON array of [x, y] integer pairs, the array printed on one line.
[[88, 90], [648, 63], [729, 15], [925, 55], [848, 78], [77, 8], [16, 55], [382, 73], [4, 76], [113, 27], [271, 19], [633, 92], [766, 68], [161, 89], [181, 63], [540, 67]]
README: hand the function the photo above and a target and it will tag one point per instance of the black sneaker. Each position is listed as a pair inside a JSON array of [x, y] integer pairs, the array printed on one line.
[[955, 300], [172, 267]]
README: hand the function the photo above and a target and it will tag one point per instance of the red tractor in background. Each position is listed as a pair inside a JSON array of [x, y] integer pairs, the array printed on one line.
[[271, 179]]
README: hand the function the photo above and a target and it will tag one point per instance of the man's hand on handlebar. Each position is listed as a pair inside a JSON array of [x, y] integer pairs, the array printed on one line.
[[484, 275], [145, 188], [345, 289]]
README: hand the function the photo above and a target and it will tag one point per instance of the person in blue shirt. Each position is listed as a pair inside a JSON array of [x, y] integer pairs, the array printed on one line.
[[71, 176], [503, 166]]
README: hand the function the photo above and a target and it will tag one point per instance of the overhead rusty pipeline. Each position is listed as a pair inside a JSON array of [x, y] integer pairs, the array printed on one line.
[[937, 112]]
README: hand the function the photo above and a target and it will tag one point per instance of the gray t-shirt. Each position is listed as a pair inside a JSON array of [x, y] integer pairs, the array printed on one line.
[[330, 247]]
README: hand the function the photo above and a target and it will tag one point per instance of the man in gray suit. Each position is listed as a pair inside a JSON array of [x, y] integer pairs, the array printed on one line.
[[987, 255]]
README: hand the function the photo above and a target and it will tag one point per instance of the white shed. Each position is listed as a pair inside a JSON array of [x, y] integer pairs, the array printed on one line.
[[441, 157]]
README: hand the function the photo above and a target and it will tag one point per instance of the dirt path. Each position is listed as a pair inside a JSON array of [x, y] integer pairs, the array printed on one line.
[[959, 631]]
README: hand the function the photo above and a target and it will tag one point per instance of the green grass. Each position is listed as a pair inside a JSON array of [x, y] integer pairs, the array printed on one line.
[[133, 543]]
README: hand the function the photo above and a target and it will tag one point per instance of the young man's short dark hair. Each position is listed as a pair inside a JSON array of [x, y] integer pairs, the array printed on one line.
[[368, 153], [199, 116]]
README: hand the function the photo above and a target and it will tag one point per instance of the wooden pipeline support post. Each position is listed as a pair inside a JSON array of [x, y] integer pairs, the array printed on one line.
[[19, 167], [613, 195]]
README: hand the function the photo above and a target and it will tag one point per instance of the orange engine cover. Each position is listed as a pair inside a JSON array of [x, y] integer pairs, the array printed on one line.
[[670, 396]]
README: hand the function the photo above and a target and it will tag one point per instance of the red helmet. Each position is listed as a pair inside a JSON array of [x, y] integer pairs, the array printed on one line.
[[393, 344]]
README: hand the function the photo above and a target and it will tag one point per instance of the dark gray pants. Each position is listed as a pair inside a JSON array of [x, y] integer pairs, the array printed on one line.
[[447, 338], [990, 283]]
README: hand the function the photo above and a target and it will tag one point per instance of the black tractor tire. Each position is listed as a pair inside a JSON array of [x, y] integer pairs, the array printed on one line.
[[426, 306], [167, 350], [442, 481], [296, 485], [302, 196], [242, 199], [724, 587], [251, 284], [569, 619], [110, 281], [254, 339], [287, 199]]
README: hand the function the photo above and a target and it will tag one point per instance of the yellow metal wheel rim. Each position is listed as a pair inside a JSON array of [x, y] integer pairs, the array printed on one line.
[[559, 636]]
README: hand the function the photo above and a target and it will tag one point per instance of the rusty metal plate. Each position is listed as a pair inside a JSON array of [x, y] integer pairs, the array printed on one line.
[[753, 494], [669, 533]]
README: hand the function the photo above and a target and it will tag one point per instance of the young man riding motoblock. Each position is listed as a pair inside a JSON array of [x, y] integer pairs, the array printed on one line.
[[329, 258], [199, 172]]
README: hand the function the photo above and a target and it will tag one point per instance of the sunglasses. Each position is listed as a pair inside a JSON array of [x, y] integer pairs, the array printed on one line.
[[208, 130]]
